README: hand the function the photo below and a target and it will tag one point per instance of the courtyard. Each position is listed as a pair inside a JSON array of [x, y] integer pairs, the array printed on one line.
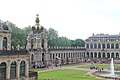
[[72, 72]]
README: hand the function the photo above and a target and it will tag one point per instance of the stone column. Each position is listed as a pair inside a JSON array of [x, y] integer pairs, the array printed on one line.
[[106, 55], [8, 71], [27, 69], [97, 54], [18, 70], [93, 54], [110, 55], [89, 55], [119, 55], [114, 55], [101, 54]]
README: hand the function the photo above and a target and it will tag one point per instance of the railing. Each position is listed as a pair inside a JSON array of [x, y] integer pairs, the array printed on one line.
[[13, 52], [66, 49]]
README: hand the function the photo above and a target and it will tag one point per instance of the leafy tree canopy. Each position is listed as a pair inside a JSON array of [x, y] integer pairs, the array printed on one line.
[[19, 38]]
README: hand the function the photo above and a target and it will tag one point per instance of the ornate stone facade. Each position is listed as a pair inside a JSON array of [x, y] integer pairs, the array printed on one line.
[[14, 64], [103, 46], [5, 35], [41, 54]]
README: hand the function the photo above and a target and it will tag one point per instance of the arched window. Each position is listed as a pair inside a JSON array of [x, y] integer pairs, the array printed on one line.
[[108, 46], [99, 46], [5, 43], [50, 56], [5, 26], [108, 55], [91, 46], [43, 43], [88, 54], [3, 71], [95, 55], [59, 55], [32, 58], [87, 46], [53, 56], [103, 46], [43, 57], [13, 70], [112, 46], [95, 46], [112, 55], [22, 69], [99, 55], [91, 55], [103, 55], [32, 43], [117, 55], [117, 46], [62, 55]]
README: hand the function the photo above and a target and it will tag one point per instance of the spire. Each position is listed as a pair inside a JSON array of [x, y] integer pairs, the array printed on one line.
[[37, 22], [37, 19], [37, 28]]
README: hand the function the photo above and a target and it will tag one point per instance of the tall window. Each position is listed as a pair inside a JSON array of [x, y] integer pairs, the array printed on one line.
[[88, 46], [117, 46], [87, 54], [5, 42], [112, 46], [22, 69], [103, 46], [103, 55], [32, 43], [108, 46], [117, 55], [112, 55], [91, 46], [91, 55], [42, 43], [99, 46], [32, 58], [95, 55], [95, 46], [13, 70], [3, 71], [108, 55], [53, 56], [99, 55]]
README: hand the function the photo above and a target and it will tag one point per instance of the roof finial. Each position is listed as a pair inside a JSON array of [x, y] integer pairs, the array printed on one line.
[[37, 19]]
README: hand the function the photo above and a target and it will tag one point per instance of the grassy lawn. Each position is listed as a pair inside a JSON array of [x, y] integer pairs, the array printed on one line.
[[66, 75], [107, 66], [71, 65]]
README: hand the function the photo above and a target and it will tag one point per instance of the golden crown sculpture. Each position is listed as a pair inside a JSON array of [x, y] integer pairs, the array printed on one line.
[[38, 28]]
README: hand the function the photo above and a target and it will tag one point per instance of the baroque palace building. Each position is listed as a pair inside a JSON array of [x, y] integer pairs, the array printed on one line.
[[41, 54], [103, 46], [14, 64]]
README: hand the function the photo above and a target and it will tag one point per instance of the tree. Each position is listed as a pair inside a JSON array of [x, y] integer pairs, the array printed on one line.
[[18, 36], [63, 41], [52, 37], [78, 43]]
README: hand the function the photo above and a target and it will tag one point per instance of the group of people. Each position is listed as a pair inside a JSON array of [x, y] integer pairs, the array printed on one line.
[[97, 68]]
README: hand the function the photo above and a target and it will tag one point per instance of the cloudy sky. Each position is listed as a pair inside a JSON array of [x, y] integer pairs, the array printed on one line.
[[71, 18]]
